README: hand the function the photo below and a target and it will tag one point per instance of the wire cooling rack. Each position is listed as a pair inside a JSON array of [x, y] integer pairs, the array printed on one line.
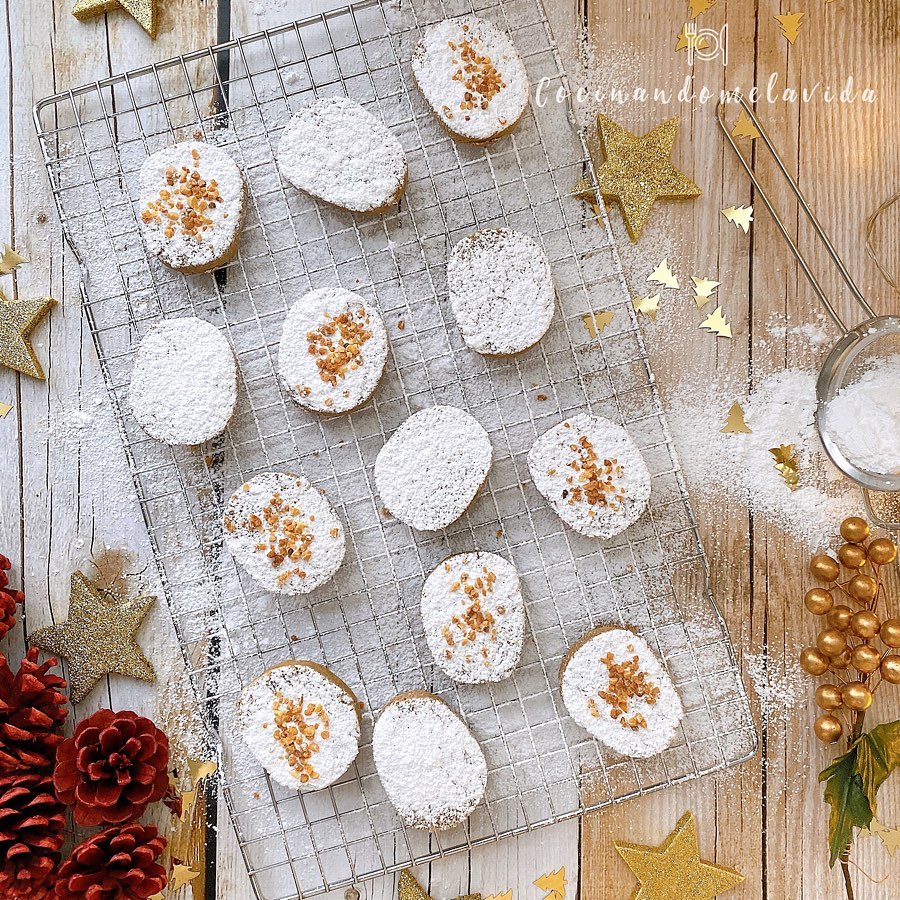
[[365, 624]]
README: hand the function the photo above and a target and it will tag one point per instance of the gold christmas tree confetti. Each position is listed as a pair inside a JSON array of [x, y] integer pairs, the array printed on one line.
[[890, 837], [410, 889], [5, 410], [675, 868], [18, 318], [744, 128], [9, 260], [695, 41], [715, 322], [703, 290], [596, 322], [700, 6], [790, 25], [663, 275], [649, 306], [506, 896], [181, 875], [787, 464], [555, 883], [735, 423], [143, 11], [741, 216]]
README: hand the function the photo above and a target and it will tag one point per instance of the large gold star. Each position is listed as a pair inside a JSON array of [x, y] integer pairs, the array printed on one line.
[[144, 11], [637, 171], [18, 318], [97, 639], [675, 871], [410, 889]]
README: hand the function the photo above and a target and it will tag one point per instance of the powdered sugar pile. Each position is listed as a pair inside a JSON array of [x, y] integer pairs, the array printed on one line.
[[501, 290]]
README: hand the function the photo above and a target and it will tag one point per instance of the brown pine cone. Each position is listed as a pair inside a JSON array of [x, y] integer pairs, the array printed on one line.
[[32, 821], [113, 768], [116, 864], [32, 708], [9, 599]]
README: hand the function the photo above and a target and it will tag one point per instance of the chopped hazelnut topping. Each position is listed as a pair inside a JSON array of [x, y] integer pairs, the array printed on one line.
[[337, 345], [594, 479], [477, 73], [473, 620], [627, 680], [297, 730], [183, 204]]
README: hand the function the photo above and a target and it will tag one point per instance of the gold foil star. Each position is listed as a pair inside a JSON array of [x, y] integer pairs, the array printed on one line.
[[715, 322], [18, 318], [703, 290], [741, 216], [790, 25], [700, 6], [97, 638], [787, 464], [637, 172], [744, 127], [649, 306], [663, 275], [410, 889], [675, 869], [181, 875], [596, 322], [736, 423], [685, 40], [143, 11], [555, 883], [9, 260]]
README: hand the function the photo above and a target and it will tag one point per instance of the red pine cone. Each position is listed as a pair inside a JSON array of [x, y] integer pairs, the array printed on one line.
[[116, 864], [32, 821], [32, 708], [9, 598], [113, 768]]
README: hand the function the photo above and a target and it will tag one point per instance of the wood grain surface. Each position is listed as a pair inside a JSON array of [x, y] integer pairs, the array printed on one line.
[[66, 499]]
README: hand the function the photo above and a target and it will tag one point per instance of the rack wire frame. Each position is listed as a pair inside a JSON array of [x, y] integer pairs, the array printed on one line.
[[365, 625]]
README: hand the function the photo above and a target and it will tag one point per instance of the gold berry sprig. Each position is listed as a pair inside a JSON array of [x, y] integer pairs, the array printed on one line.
[[861, 630]]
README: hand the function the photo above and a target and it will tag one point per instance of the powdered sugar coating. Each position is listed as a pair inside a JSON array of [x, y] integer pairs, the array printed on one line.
[[431, 468], [438, 58], [431, 767], [350, 384], [337, 747], [184, 382], [173, 239], [284, 533], [342, 154], [584, 674], [501, 290], [599, 499], [474, 617]]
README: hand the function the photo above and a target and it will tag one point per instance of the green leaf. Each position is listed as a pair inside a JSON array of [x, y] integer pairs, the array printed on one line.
[[877, 755], [849, 803]]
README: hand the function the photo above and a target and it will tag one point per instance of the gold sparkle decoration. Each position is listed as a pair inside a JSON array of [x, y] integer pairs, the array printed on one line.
[[554, 883], [142, 11], [715, 322], [410, 889], [637, 171], [744, 128], [649, 306], [690, 40], [9, 259], [181, 875], [741, 216], [735, 423], [98, 637], [790, 25], [675, 868], [5, 410], [703, 290], [595, 323], [890, 837], [700, 6], [18, 318], [788, 464]]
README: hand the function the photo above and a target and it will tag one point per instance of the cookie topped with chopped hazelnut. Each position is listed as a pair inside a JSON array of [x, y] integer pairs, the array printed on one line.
[[284, 533]]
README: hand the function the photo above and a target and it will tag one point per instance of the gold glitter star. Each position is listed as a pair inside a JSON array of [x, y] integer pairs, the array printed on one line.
[[410, 889], [18, 318], [637, 171], [97, 639], [675, 869], [143, 11]]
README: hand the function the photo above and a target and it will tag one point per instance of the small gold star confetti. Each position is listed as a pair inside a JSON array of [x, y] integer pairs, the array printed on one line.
[[787, 463], [97, 638], [555, 883], [410, 889], [790, 25], [181, 875], [685, 40], [18, 318], [703, 290], [143, 11], [735, 423], [890, 837], [715, 322], [675, 868], [5, 410], [649, 306], [9, 260], [744, 127], [663, 275], [637, 171], [700, 6], [597, 322], [741, 216]]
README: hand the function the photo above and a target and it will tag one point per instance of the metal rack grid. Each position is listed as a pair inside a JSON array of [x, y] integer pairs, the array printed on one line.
[[365, 624]]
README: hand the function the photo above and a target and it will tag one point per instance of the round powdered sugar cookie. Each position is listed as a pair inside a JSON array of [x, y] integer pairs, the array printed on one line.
[[333, 350], [501, 291], [472, 77], [284, 533], [431, 468], [431, 766], [192, 206], [592, 474], [340, 153], [474, 617], [302, 723], [614, 686], [184, 382]]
